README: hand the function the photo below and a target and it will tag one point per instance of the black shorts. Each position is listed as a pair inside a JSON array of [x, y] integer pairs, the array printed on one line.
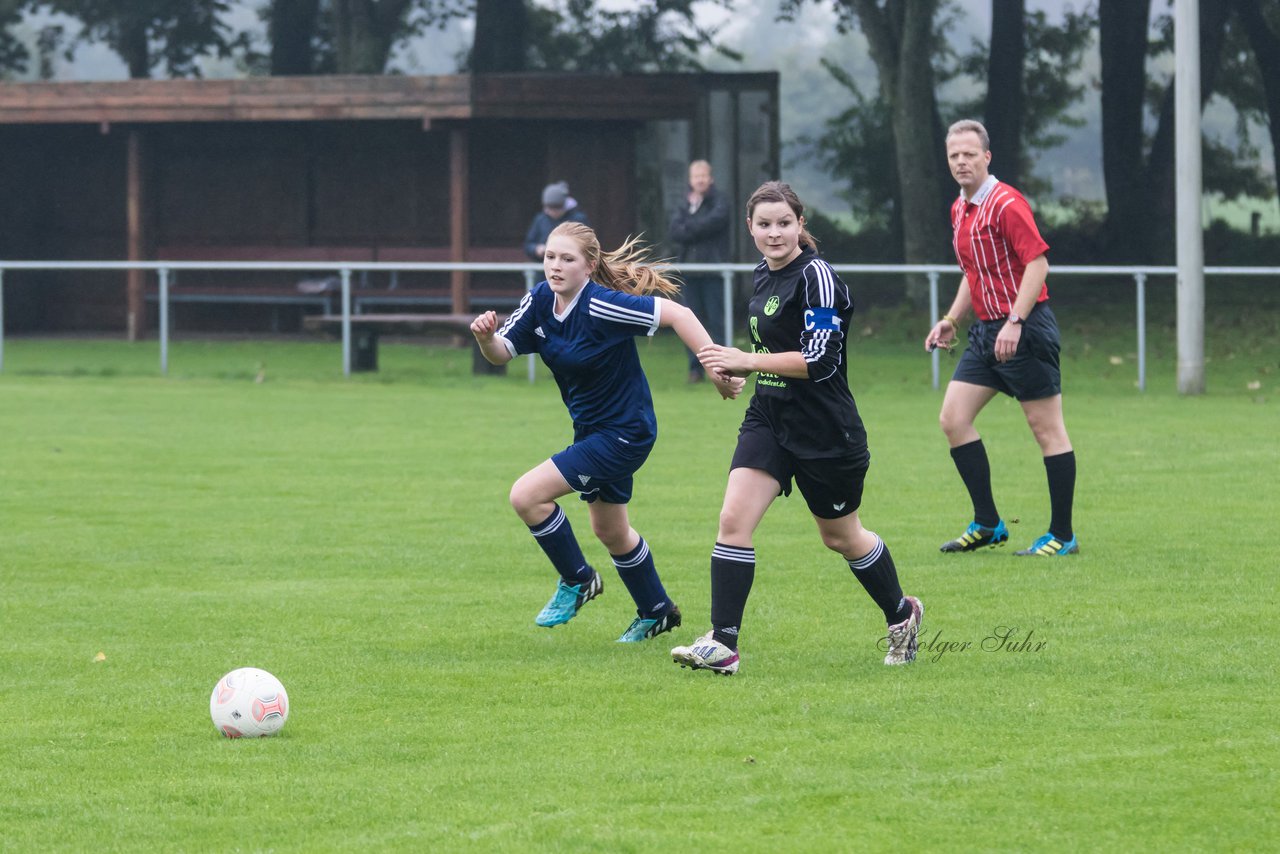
[[1032, 373], [831, 487]]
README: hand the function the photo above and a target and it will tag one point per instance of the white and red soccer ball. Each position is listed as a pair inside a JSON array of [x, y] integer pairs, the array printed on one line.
[[248, 703]]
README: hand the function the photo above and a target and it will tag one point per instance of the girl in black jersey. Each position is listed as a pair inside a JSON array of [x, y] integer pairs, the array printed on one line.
[[802, 423]]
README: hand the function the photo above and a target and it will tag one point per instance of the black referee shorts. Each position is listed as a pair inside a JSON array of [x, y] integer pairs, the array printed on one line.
[[1033, 372], [832, 487]]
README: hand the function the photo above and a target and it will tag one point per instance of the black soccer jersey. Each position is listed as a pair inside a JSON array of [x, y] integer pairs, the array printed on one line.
[[805, 307]]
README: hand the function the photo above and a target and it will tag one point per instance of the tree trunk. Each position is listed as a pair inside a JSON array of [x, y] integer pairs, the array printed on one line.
[[1266, 52], [135, 50], [499, 43], [1160, 203], [364, 32], [1123, 48], [292, 28], [1006, 93], [898, 37]]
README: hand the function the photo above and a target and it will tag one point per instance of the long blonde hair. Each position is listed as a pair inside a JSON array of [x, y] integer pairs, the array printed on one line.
[[628, 268]]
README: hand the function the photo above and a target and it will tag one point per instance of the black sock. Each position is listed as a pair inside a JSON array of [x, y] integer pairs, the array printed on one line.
[[879, 577], [733, 569], [1061, 469], [975, 470]]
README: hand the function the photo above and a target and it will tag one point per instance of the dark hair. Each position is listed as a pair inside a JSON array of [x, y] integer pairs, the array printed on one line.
[[776, 191], [628, 268]]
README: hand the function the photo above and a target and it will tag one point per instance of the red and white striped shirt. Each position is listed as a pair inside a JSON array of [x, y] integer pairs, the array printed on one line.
[[995, 237]]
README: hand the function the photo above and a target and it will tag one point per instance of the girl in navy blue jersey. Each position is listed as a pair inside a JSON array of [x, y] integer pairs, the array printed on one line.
[[802, 423], [583, 321]]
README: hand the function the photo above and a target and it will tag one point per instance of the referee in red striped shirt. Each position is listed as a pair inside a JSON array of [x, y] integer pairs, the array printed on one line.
[[1013, 343]]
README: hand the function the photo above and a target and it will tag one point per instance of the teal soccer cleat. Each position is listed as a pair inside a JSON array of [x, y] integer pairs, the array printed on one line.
[[568, 600], [643, 628], [976, 537], [1051, 546]]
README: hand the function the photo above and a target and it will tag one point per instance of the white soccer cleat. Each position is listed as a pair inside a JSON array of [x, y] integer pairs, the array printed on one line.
[[707, 653], [903, 636]]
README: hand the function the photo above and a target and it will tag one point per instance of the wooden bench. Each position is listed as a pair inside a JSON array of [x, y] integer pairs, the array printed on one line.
[[321, 290], [367, 328]]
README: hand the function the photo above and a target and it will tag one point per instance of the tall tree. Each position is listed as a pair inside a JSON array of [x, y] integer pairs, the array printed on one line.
[[150, 34], [1122, 43], [1006, 99], [1264, 39], [501, 36], [347, 36], [1027, 119], [1140, 185], [585, 35], [292, 28], [901, 39], [364, 32]]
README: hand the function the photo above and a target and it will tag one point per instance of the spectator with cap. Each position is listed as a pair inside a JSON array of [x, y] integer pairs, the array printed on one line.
[[557, 207]]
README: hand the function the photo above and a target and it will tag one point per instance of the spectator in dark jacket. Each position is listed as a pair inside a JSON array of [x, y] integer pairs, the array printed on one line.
[[700, 230], [557, 207]]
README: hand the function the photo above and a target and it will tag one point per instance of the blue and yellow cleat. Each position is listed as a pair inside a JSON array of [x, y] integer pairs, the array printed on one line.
[[1051, 546], [976, 537], [568, 600]]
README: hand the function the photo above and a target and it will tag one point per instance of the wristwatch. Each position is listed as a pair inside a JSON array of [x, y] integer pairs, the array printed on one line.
[[1014, 318]]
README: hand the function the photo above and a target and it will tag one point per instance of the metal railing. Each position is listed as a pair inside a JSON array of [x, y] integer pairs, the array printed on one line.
[[531, 272]]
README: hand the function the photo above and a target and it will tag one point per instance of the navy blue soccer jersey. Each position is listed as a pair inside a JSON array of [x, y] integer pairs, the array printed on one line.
[[591, 351]]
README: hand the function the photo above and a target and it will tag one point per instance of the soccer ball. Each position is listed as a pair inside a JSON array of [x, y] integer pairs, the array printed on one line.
[[247, 703]]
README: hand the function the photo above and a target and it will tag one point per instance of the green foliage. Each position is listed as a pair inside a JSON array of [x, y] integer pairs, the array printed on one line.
[[856, 149], [150, 34], [1050, 91], [845, 241], [14, 55], [857, 145], [1234, 171], [354, 538], [654, 35]]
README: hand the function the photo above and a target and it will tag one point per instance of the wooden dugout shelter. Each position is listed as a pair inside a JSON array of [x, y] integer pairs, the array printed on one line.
[[388, 168]]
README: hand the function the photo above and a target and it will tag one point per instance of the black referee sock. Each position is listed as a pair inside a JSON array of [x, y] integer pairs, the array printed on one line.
[[975, 470], [1061, 469], [879, 577], [733, 569]]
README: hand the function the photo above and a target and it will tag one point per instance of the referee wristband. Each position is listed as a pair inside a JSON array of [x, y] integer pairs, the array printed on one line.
[[949, 319]]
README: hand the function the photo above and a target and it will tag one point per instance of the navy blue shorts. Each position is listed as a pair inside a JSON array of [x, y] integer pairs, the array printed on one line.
[[601, 465], [832, 487], [1032, 373]]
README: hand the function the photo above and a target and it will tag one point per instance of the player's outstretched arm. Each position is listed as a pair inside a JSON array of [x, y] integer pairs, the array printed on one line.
[[484, 328], [695, 336], [740, 363]]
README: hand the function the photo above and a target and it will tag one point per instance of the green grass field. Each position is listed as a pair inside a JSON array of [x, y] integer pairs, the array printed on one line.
[[353, 537]]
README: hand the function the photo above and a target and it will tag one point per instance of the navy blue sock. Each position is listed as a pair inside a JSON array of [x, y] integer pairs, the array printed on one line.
[[638, 573], [975, 470], [733, 570], [879, 577], [555, 535]]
